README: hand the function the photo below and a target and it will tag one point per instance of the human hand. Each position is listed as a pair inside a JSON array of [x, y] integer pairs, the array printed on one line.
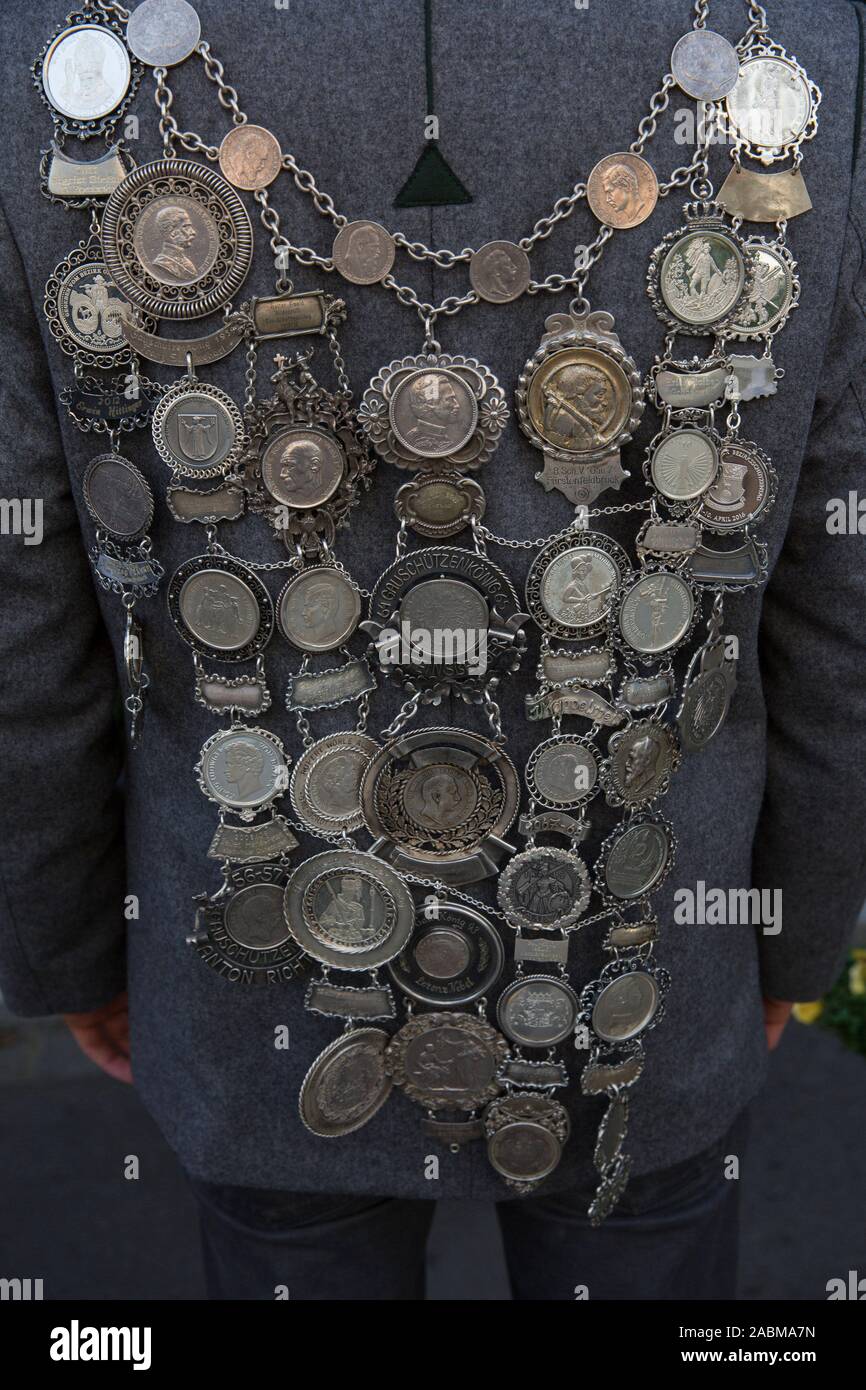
[[776, 1015], [103, 1036]]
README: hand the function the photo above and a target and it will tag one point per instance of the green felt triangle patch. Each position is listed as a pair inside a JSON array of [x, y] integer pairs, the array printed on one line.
[[432, 183]]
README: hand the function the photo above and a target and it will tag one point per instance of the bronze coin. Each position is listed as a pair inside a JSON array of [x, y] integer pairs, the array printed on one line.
[[250, 157], [622, 190]]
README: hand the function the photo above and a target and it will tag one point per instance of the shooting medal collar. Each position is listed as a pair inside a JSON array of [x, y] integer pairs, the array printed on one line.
[[171, 238]]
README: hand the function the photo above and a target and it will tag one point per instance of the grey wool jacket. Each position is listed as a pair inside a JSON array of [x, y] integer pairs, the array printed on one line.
[[529, 94]]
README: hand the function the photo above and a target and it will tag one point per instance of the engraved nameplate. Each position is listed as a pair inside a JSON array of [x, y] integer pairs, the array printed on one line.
[[240, 844]]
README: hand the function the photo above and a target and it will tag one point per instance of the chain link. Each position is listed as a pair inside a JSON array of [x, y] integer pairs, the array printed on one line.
[[228, 97]]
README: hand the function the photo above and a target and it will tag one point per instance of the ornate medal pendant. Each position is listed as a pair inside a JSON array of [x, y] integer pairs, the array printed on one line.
[[221, 608], [700, 274], [579, 400], [348, 910], [773, 109], [326, 783], [657, 613], [441, 800], [447, 1061], [306, 462], [85, 75], [641, 760], [446, 620], [436, 415], [525, 1134], [120, 503], [84, 309], [243, 769], [241, 932], [454, 957], [177, 239], [346, 1084], [635, 858], [197, 430], [546, 888], [574, 583]]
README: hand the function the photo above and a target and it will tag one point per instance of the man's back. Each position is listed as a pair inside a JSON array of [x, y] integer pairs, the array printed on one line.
[[529, 98]]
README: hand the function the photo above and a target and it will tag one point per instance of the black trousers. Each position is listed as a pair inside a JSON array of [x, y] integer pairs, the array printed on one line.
[[673, 1236]]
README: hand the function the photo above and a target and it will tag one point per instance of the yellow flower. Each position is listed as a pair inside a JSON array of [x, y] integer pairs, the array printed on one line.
[[808, 1013], [857, 973]]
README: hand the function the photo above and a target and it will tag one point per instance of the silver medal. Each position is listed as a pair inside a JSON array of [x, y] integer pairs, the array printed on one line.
[[177, 239], [326, 783], [636, 858], [525, 1137], [499, 271], [221, 608], [243, 769], [455, 957], [573, 584], [319, 609], [441, 799], [363, 252], [349, 910], [641, 760], [537, 1011], [447, 1061], [117, 496], [705, 65], [562, 772], [434, 409], [346, 1084], [657, 613], [162, 33], [197, 430], [544, 889], [683, 464], [699, 274], [625, 1006]]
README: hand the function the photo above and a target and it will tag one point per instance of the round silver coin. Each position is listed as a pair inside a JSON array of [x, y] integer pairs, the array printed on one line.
[[243, 769], [346, 1084], [117, 496], [302, 467], [437, 604], [524, 1151], [198, 430], [89, 310], [578, 587], [86, 72], [219, 609], [771, 103], [433, 412], [363, 252], [744, 489], [319, 609], [447, 1061], [254, 917], [453, 958], [656, 613], [684, 464], [176, 240], [544, 889], [562, 772], [704, 709], [499, 271], [349, 910], [637, 860], [625, 1006], [767, 302], [642, 758], [326, 782], [705, 65], [162, 33], [537, 1011], [702, 277]]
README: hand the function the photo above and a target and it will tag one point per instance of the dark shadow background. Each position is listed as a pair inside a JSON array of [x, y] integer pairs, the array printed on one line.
[[70, 1218]]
